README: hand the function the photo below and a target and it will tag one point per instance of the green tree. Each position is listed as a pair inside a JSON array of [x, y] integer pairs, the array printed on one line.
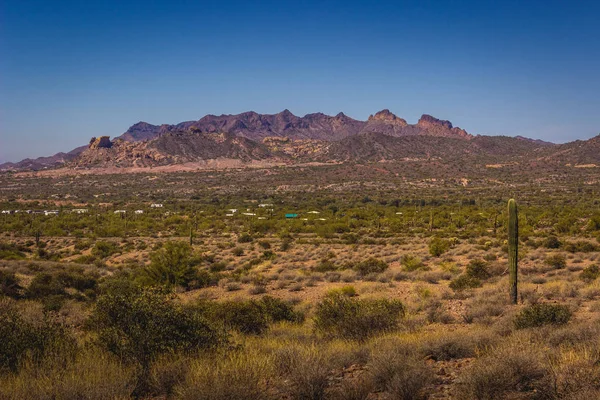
[[172, 265]]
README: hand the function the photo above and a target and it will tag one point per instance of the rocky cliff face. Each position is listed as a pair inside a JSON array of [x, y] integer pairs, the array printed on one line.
[[103, 142]]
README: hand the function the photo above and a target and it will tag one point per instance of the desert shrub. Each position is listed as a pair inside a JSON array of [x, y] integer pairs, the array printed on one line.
[[455, 345], [235, 375], [411, 263], [286, 244], [34, 340], [264, 244], [510, 371], [325, 266], [238, 252], [438, 246], [308, 369], [245, 238], [401, 374], [398, 368], [348, 290], [371, 265], [463, 282], [9, 251], [91, 375], [52, 288], [557, 261], [174, 265], [139, 324], [590, 273], [280, 310], [542, 314], [478, 269], [350, 238], [9, 285], [250, 316], [104, 249], [551, 242], [582, 246], [341, 316]]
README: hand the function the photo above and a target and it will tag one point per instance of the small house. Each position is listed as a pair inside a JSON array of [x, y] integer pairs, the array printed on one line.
[[139, 211], [156, 205]]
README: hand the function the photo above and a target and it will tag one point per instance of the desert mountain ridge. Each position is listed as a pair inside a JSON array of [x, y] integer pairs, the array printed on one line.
[[317, 137]]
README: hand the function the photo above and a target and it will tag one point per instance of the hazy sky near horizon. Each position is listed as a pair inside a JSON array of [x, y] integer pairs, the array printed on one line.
[[70, 70]]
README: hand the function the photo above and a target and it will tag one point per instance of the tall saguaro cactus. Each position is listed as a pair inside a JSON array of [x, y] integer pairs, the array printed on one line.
[[513, 248]]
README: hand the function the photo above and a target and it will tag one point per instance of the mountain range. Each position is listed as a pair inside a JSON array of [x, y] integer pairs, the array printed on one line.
[[287, 138]]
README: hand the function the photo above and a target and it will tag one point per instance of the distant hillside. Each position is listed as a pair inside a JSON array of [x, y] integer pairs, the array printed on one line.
[[316, 126], [286, 138]]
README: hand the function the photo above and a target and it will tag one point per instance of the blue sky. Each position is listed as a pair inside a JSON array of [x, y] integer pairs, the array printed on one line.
[[70, 70]]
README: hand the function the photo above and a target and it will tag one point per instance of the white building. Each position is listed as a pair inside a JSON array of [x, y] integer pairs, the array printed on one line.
[[80, 211], [139, 211], [120, 211], [156, 205]]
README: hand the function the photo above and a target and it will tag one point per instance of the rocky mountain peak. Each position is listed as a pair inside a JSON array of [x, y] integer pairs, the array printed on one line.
[[387, 116], [427, 121]]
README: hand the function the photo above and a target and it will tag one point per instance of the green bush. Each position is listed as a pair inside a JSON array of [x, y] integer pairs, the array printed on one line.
[[370, 266], [463, 282], [173, 265], [325, 266], [9, 251], [411, 263], [280, 310], [542, 314], [438, 246], [551, 242], [54, 287], [9, 285], [341, 316], [581, 246], [245, 238], [250, 316], [104, 249], [590, 273], [139, 324], [21, 338], [477, 269], [557, 261]]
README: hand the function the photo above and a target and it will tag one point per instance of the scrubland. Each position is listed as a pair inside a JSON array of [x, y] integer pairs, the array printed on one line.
[[382, 294]]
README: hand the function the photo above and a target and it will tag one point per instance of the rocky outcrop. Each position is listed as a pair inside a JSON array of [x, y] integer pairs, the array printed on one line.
[[387, 116], [103, 142], [439, 127]]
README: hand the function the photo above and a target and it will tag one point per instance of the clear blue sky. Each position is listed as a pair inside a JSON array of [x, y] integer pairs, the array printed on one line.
[[70, 70]]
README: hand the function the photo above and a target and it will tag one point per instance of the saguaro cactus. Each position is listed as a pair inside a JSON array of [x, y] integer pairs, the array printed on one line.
[[191, 236], [513, 248]]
